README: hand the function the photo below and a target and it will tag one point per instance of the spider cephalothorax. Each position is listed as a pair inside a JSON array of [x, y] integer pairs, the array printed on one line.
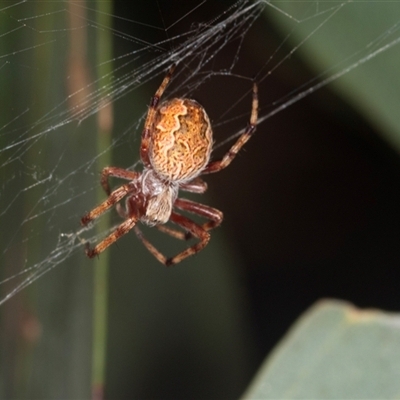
[[175, 150]]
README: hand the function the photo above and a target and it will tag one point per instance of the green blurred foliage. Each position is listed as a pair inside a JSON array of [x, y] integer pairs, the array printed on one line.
[[334, 351]]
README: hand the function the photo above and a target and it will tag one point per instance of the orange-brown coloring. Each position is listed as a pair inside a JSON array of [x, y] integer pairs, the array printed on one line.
[[181, 140], [175, 149]]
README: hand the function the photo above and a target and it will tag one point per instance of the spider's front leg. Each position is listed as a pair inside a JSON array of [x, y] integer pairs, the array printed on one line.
[[192, 229], [121, 230], [196, 231], [187, 224], [113, 198], [197, 185], [213, 216], [116, 172]]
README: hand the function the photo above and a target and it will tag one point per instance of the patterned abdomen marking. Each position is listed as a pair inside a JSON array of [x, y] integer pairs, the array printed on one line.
[[181, 140]]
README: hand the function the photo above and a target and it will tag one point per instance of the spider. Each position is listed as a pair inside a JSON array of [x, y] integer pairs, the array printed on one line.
[[175, 150]]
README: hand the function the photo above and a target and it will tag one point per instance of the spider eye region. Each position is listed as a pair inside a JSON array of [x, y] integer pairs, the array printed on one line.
[[181, 140]]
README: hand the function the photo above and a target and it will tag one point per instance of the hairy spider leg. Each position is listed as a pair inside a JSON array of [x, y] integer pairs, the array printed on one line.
[[216, 166], [113, 198], [213, 216], [121, 230], [116, 172], [197, 185], [187, 224], [146, 133]]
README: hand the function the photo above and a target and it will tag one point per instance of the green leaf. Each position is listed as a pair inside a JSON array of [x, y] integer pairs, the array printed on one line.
[[334, 351], [360, 40]]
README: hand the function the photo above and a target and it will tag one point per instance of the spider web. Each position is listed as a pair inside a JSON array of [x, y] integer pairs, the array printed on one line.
[[54, 188], [51, 103]]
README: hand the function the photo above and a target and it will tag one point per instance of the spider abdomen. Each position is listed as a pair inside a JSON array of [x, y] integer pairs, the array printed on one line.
[[181, 140]]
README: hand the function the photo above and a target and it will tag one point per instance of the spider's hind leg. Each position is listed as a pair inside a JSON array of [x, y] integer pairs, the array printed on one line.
[[216, 166]]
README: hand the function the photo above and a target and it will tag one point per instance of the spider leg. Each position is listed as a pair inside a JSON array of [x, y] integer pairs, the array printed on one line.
[[121, 230], [116, 173], [197, 185], [173, 232], [216, 166], [189, 225], [113, 198], [146, 134], [213, 215]]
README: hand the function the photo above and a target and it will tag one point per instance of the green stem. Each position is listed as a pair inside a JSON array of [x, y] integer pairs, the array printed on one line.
[[104, 130]]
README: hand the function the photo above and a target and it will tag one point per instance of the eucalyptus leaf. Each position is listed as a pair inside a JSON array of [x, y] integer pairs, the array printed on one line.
[[334, 351]]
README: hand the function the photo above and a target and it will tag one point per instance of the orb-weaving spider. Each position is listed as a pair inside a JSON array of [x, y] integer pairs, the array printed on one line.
[[175, 150]]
